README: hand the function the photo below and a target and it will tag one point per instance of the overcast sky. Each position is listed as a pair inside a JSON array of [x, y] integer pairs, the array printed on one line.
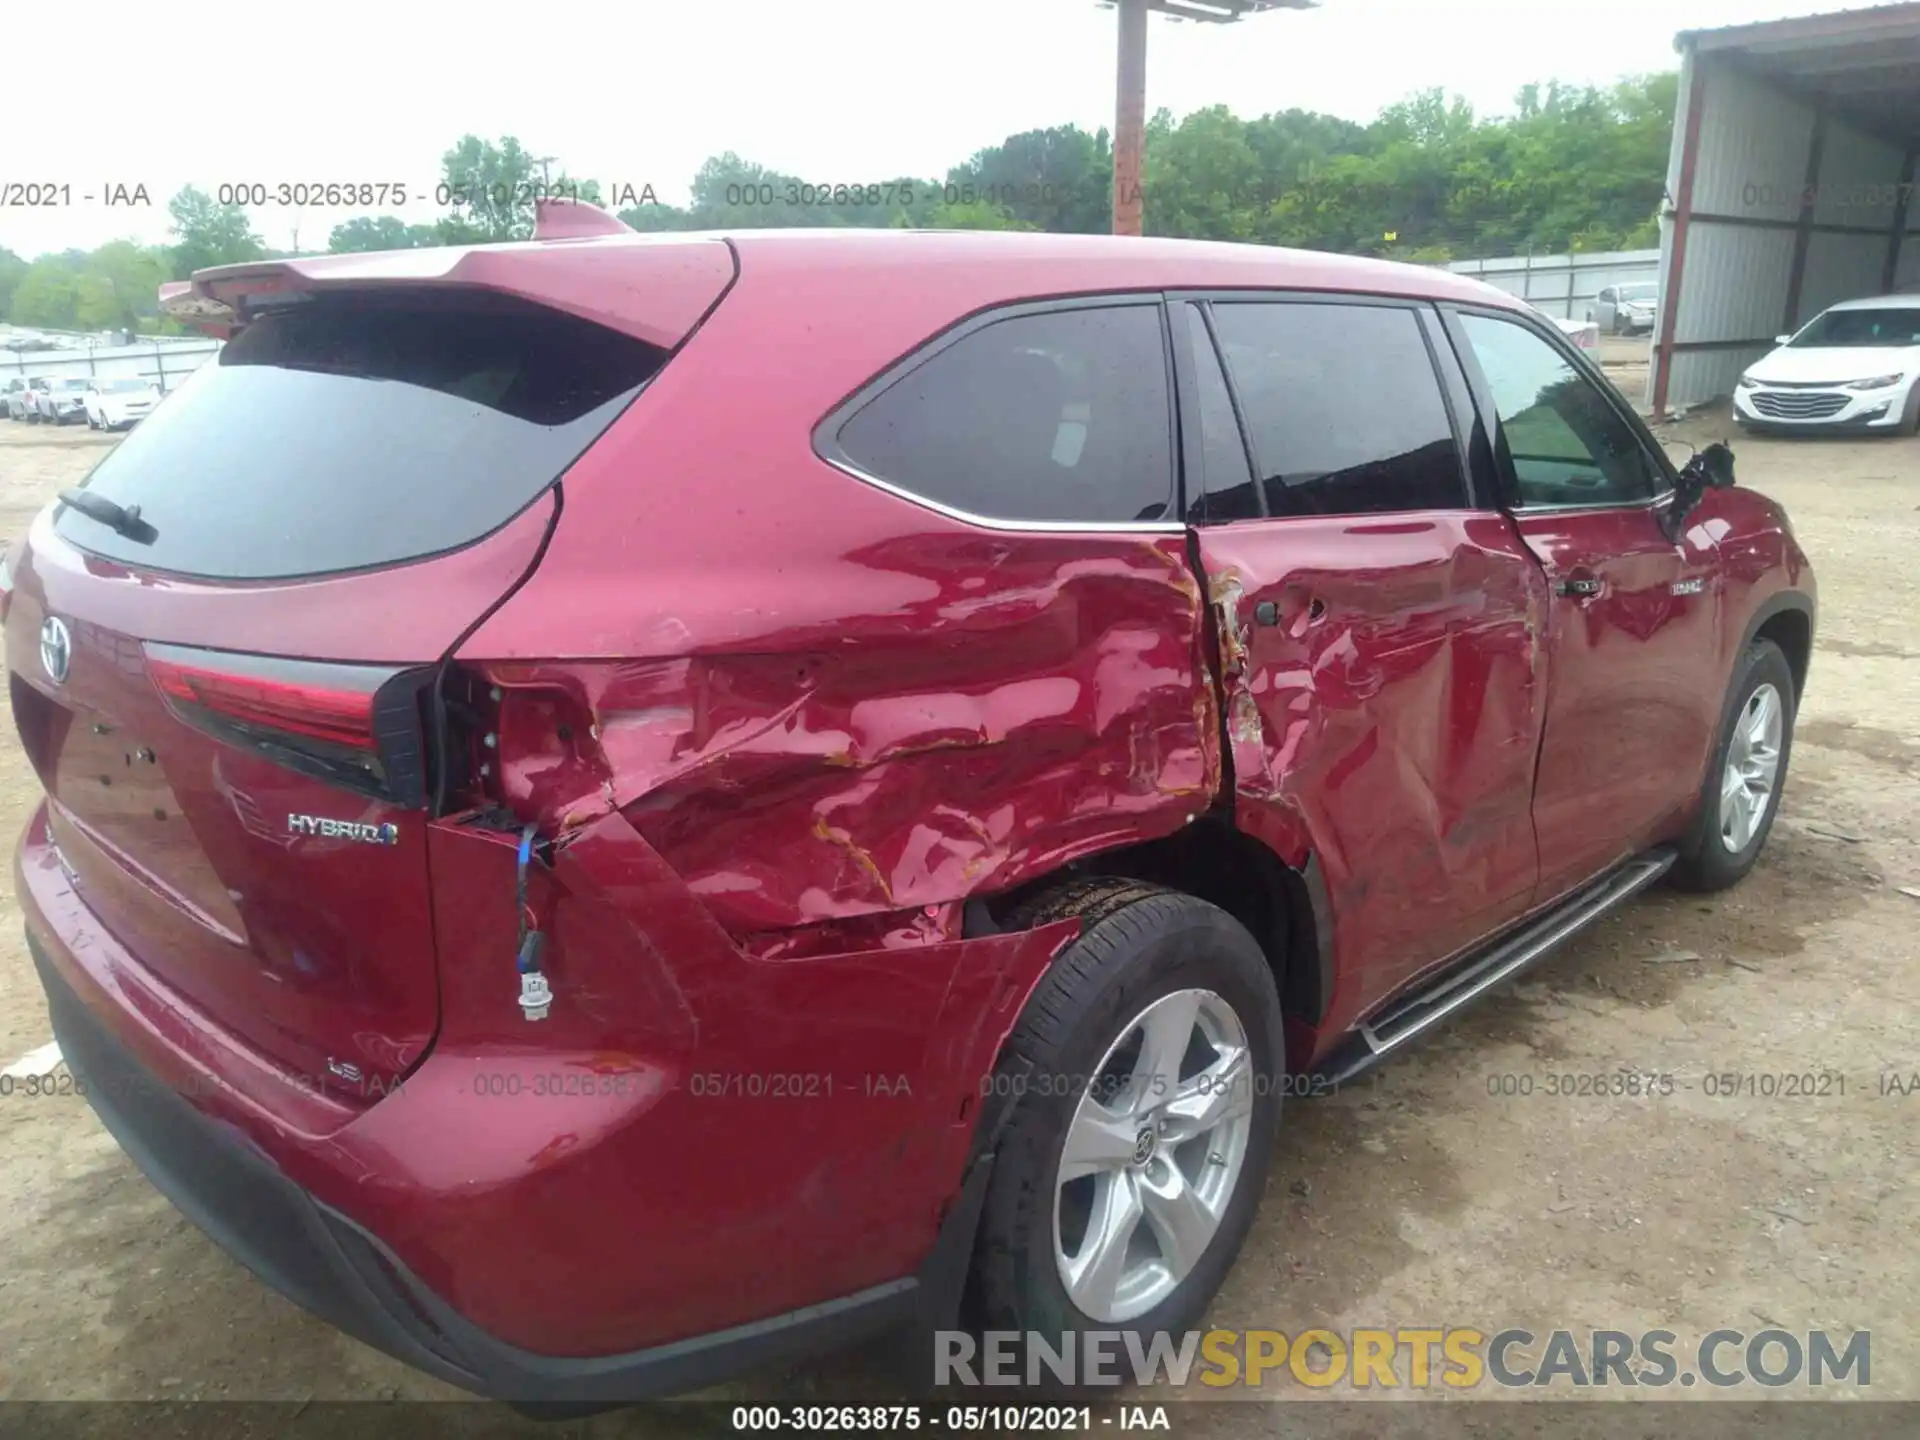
[[639, 93]]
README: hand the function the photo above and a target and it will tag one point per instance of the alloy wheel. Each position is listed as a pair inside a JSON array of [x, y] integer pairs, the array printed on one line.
[[1753, 768], [1153, 1155]]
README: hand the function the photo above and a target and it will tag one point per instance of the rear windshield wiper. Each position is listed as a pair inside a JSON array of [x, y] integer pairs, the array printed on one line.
[[122, 519]]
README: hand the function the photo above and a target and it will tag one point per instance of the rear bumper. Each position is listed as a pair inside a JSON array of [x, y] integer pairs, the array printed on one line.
[[530, 1246], [327, 1264]]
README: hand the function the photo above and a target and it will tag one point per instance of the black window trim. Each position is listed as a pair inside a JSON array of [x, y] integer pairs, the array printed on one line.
[[1186, 367], [1664, 474], [1459, 424], [826, 433]]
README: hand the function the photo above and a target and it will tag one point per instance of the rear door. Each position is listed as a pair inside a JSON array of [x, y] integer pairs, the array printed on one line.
[[1632, 633], [1378, 626], [219, 653]]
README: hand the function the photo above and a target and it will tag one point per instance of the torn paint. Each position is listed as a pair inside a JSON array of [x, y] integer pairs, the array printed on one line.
[[1226, 590], [888, 763]]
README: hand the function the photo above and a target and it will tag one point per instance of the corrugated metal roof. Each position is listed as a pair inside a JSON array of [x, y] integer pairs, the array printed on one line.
[[1862, 64], [1861, 15]]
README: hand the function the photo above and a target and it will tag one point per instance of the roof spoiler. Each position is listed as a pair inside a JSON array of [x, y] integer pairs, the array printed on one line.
[[553, 219], [180, 301], [655, 289]]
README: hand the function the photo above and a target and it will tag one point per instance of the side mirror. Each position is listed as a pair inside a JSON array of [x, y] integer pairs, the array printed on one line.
[[1710, 469], [1782, 339]]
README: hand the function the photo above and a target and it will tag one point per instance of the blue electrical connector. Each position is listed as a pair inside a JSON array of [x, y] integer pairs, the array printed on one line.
[[535, 994]]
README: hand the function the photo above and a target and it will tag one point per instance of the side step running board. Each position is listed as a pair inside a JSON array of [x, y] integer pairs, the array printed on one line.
[[1426, 1007]]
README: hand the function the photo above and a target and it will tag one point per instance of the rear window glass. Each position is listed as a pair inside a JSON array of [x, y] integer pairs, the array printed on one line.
[[358, 431]]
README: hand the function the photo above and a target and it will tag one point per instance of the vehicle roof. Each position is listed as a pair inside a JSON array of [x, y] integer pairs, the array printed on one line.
[[1042, 263], [1020, 263], [1880, 302]]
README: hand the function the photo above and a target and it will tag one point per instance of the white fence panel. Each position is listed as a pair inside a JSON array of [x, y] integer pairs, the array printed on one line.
[[1563, 286]]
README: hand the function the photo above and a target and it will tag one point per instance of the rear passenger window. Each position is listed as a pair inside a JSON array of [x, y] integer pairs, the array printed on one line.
[[1062, 416], [1343, 407]]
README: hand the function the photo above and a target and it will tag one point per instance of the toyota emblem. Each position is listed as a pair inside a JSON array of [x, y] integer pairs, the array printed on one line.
[[56, 649]]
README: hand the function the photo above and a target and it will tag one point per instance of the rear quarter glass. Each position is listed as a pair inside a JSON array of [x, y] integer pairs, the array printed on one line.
[[361, 430]]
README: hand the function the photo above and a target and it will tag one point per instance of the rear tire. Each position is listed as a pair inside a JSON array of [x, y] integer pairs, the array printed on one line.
[[1168, 1172], [1737, 811]]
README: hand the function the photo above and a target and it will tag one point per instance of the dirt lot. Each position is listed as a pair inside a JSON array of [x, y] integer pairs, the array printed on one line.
[[1424, 1200]]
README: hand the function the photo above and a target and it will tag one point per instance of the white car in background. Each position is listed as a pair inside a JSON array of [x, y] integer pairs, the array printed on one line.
[[114, 404], [1854, 367], [1626, 309], [64, 399]]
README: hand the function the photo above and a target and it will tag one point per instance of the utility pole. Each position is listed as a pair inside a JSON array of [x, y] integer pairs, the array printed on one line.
[[1130, 121], [1130, 88]]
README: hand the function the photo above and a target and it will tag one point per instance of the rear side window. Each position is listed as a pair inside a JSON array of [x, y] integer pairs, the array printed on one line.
[[357, 431], [1061, 416], [1343, 408]]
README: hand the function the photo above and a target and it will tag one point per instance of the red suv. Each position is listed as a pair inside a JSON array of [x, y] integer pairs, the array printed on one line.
[[623, 807]]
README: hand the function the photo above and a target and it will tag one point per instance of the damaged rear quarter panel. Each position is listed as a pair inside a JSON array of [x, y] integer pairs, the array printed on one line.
[[815, 699], [1031, 700]]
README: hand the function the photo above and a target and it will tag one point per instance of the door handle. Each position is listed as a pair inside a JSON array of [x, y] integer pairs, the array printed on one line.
[[1580, 587]]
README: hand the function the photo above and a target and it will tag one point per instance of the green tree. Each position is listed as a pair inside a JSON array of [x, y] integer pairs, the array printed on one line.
[[1203, 178], [380, 232], [494, 187], [646, 218], [12, 270], [1059, 179], [118, 287], [207, 233], [977, 215], [48, 295]]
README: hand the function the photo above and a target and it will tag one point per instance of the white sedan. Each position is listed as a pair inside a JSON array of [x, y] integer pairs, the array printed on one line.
[[116, 404], [1854, 367]]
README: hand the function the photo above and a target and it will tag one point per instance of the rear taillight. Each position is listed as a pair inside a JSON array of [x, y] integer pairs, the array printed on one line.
[[6, 588], [357, 726], [341, 717]]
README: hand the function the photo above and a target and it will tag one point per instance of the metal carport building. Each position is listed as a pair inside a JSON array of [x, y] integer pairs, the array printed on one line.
[[1789, 187]]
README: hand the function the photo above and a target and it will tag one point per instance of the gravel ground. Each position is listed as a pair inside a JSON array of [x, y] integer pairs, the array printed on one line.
[[1421, 1200]]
